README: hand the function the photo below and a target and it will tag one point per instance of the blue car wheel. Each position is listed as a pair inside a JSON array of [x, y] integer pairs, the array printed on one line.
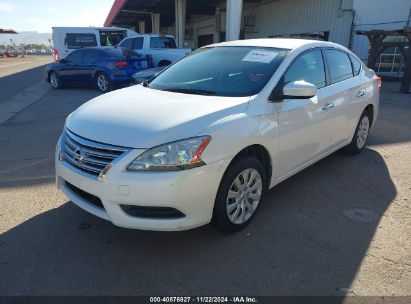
[[103, 82]]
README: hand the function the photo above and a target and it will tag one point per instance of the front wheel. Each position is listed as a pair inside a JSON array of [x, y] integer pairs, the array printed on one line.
[[360, 136], [55, 81], [239, 195], [103, 82]]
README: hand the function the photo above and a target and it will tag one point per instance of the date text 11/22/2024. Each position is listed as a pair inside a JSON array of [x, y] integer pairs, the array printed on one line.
[[203, 300]]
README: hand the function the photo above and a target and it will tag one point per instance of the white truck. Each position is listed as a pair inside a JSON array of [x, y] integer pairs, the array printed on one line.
[[162, 48], [68, 39]]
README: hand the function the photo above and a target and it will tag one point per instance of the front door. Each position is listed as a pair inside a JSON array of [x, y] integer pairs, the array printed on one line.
[[305, 125]]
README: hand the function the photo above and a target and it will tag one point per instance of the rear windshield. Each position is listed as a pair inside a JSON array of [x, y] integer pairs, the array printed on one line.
[[120, 53], [162, 43]]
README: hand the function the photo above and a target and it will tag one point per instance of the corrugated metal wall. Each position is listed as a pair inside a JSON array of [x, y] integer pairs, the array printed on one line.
[[287, 17], [284, 17], [378, 15]]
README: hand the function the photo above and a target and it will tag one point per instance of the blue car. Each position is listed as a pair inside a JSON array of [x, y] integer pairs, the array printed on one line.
[[102, 67]]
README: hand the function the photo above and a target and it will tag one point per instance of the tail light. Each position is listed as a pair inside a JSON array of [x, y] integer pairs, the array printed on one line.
[[121, 63], [56, 55], [379, 81]]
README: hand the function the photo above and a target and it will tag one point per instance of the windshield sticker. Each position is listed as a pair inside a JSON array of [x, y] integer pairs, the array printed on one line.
[[260, 56]]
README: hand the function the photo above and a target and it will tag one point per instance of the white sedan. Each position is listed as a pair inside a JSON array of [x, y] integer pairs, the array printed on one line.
[[206, 138]]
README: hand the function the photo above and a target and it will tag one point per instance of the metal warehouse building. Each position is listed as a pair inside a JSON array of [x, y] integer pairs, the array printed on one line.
[[200, 22]]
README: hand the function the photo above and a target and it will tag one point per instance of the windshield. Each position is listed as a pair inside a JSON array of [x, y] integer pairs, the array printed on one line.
[[221, 71]]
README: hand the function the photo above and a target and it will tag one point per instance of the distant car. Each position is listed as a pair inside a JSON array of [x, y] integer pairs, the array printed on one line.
[[1, 54], [104, 67], [11, 53], [162, 48], [144, 75]]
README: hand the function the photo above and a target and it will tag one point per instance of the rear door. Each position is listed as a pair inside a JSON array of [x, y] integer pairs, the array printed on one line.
[[70, 70], [349, 94], [89, 64], [305, 124]]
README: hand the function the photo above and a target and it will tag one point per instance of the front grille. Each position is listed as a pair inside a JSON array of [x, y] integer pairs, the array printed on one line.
[[92, 199], [88, 156]]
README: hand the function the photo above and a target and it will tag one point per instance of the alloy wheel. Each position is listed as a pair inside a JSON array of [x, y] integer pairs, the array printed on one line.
[[54, 80], [102, 82], [363, 130]]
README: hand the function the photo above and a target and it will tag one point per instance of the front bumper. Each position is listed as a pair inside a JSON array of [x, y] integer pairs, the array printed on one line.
[[191, 192]]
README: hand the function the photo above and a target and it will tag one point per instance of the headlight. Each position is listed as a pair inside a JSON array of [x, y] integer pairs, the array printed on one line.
[[179, 155]]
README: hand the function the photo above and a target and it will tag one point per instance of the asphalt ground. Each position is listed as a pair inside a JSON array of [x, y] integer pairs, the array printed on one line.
[[341, 227]]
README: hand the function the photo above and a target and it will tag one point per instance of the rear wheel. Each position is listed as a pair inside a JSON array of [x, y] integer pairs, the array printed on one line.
[[360, 136], [55, 81], [103, 82], [240, 193]]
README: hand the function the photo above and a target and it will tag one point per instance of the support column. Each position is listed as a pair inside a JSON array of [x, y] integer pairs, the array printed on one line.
[[181, 10], [406, 79], [376, 47], [156, 23], [142, 27], [233, 19]]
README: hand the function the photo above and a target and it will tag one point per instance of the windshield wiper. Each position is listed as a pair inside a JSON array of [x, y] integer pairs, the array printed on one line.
[[191, 91]]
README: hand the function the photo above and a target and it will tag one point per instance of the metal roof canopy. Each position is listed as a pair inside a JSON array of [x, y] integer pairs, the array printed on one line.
[[378, 45], [130, 12]]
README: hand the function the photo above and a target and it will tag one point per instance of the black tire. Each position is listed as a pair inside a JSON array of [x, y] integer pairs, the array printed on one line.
[[55, 81], [103, 82], [221, 207], [360, 136]]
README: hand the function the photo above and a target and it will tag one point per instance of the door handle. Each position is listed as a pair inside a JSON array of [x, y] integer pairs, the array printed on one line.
[[360, 94], [328, 106]]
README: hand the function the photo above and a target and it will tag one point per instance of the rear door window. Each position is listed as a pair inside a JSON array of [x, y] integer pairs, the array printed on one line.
[[133, 43], [356, 65], [162, 43], [128, 43], [75, 57], [138, 43], [339, 66], [80, 40], [90, 56]]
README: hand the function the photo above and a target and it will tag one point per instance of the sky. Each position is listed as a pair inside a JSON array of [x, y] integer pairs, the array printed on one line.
[[42, 15]]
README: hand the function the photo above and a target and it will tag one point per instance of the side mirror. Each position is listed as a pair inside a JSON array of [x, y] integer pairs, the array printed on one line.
[[63, 61], [299, 90]]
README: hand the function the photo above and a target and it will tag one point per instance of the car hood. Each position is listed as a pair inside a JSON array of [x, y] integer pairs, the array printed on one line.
[[139, 117]]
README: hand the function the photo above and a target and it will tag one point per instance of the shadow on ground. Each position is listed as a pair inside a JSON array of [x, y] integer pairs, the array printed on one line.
[[309, 238]]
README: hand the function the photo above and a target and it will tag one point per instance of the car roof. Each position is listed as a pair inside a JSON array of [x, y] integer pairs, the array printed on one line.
[[282, 43]]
